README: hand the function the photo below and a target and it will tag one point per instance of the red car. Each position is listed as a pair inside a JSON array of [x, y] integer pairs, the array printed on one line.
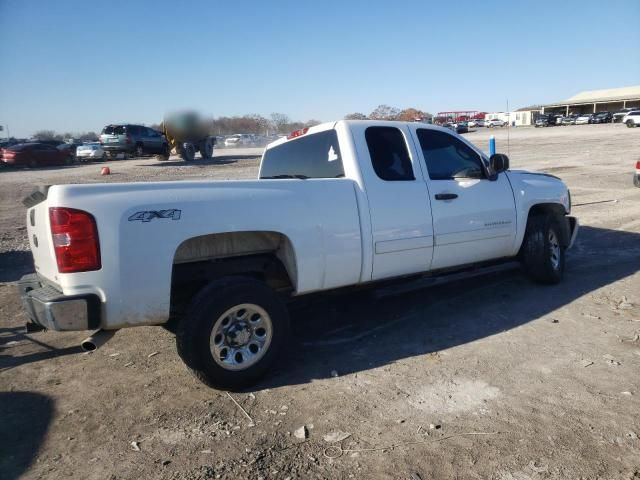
[[35, 154]]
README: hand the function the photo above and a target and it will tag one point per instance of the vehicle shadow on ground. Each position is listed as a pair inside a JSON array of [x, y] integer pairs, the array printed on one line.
[[14, 264], [20, 445], [39, 168], [352, 333], [10, 336], [220, 160]]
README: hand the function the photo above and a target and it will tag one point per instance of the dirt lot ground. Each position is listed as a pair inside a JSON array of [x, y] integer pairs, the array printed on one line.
[[520, 381]]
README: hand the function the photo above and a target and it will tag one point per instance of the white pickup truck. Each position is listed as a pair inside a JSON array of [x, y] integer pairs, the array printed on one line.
[[338, 205]]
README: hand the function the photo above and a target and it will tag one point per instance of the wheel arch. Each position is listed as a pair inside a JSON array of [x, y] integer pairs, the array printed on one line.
[[265, 255], [558, 210]]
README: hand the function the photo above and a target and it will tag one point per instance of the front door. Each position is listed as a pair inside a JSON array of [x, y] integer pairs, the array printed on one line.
[[474, 218]]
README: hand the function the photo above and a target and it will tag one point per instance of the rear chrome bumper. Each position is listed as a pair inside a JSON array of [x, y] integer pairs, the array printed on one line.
[[51, 309]]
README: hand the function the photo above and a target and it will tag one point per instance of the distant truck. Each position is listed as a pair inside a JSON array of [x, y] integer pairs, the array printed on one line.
[[187, 133], [338, 205]]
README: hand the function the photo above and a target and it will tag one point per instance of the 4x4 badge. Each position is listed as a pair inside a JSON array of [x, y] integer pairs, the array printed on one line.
[[172, 213]]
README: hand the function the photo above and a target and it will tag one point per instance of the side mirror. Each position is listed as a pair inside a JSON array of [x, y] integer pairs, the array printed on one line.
[[499, 162]]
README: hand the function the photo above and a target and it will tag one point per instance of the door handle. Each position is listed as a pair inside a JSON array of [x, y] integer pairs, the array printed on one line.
[[446, 196]]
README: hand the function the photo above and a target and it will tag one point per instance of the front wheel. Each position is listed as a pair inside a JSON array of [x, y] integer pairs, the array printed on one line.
[[188, 152], [232, 332], [630, 124], [542, 251], [165, 154]]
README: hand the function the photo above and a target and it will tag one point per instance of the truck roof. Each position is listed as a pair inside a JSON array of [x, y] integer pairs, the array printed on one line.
[[331, 125]]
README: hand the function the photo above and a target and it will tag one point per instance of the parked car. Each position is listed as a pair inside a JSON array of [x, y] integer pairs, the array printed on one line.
[[636, 176], [132, 139], [71, 148], [53, 143], [569, 120], [35, 154], [602, 117], [462, 127], [546, 120], [495, 122], [619, 115], [632, 119], [584, 119], [117, 255], [477, 122], [90, 151], [238, 140]]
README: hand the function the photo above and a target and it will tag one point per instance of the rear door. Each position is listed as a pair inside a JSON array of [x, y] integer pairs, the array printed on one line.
[[399, 206], [474, 218]]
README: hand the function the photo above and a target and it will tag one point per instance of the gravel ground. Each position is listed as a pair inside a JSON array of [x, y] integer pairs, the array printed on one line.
[[487, 377]]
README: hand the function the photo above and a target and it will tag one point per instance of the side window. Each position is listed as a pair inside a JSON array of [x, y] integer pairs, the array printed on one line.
[[389, 154], [315, 155], [448, 157]]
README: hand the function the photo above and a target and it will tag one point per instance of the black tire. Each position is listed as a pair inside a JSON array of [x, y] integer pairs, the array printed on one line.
[[542, 262], [104, 157], [188, 152], [636, 180], [206, 149], [165, 154], [630, 124], [139, 150], [194, 331]]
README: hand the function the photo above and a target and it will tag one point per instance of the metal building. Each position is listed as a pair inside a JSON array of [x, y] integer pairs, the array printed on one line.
[[592, 101]]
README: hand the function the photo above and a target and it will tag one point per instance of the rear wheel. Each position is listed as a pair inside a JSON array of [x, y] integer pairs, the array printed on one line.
[[542, 253], [232, 332], [139, 150], [188, 152], [630, 124], [206, 149]]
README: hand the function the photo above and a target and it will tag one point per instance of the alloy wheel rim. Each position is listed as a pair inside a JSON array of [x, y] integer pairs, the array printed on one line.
[[241, 336]]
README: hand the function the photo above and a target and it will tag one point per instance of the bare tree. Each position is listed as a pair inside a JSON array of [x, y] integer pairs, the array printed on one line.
[[384, 112], [413, 115], [45, 135], [280, 121], [355, 116]]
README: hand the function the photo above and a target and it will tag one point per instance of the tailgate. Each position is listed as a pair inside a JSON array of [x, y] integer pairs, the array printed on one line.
[[40, 234]]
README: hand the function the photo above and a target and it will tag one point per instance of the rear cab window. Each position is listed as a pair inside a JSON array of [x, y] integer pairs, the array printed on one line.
[[389, 154], [315, 155]]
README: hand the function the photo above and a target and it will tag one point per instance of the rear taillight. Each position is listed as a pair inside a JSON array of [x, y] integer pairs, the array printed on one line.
[[638, 165], [75, 240]]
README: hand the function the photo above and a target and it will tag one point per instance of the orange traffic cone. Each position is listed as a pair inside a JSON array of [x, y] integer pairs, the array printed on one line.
[[105, 171]]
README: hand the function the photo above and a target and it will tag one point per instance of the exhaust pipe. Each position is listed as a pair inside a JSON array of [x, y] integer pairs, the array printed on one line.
[[95, 341]]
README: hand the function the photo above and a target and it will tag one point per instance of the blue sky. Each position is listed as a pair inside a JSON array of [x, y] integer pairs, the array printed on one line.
[[78, 65]]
